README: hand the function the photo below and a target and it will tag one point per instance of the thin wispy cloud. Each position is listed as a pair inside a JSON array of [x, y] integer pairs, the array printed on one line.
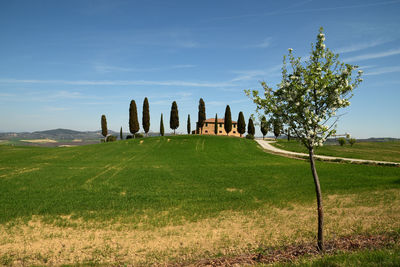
[[104, 68], [294, 10], [360, 46], [56, 109], [264, 44], [383, 70], [119, 82], [243, 16], [342, 7], [392, 52], [247, 75]]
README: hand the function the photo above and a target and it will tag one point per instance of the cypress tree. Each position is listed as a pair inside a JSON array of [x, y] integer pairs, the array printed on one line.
[[188, 124], [264, 126], [146, 116], [277, 127], [161, 126], [120, 134], [250, 128], [174, 117], [202, 114], [228, 120], [133, 118], [104, 130], [216, 124], [241, 124]]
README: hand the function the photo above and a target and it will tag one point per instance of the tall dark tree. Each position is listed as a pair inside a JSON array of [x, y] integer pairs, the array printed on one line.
[[264, 126], [162, 126], [241, 124], [174, 117], [277, 127], [188, 124], [104, 130], [146, 116], [250, 128], [216, 124], [228, 120], [202, 114], [120, 134], [133, 118]]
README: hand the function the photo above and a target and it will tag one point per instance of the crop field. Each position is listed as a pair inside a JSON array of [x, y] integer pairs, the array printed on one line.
[[178, 200], [381, 151]]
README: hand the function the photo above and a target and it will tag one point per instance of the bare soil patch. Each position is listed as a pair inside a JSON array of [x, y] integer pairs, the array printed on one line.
[[40, 141], [292, 252]]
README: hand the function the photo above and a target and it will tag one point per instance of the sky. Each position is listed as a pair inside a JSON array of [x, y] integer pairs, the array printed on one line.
[[65, 63]]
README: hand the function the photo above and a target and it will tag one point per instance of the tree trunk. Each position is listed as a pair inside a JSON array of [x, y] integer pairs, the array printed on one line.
[[174, 131], [319, 202]]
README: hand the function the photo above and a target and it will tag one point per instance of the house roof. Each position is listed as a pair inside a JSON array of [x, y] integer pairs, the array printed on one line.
[[212, 120]]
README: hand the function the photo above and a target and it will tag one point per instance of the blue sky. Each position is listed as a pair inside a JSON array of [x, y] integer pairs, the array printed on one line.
[[65, 63]]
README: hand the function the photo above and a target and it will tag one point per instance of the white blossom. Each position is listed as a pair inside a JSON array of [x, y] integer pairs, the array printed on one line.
[[360, 72], [290, 49]]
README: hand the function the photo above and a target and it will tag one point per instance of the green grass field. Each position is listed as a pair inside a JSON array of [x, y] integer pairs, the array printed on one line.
[[382, 151], [179, 198]]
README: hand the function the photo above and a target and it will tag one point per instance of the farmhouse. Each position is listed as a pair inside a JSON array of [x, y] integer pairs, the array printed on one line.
[[209, 128]]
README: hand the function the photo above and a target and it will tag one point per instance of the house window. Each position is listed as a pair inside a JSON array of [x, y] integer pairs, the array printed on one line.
[[234, 131], [234, 126], [206, 124], [206, 131], [220, 125], [220, 131]]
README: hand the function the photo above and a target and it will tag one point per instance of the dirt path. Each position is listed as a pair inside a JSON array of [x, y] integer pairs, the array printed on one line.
[[266, 144]]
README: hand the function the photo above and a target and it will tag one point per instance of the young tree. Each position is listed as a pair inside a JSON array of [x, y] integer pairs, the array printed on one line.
[[342, 141], [202, 114], [104, 130], [241, 124], [250, 128], [276, 127], [307, 100], [146, 116], [352, 141], [264, 126], [188, 124], [216, 124], [288, 131], [161, 126], [120, 134], [133, 119], [174, 117], [228, 120]]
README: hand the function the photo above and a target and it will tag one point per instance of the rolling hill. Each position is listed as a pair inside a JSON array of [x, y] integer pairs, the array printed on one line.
[[202, 195]]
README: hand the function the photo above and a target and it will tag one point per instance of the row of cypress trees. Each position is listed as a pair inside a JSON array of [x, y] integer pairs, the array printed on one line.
[[174, 120]]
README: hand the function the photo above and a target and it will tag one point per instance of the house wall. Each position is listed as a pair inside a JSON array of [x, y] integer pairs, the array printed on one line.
[[209, 128]]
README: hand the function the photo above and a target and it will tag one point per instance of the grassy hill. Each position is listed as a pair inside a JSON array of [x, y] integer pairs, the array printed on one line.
[[175, 188]]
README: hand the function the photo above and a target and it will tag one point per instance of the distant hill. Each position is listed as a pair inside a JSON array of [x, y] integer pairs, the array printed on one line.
[[62, 134], [58, 132]]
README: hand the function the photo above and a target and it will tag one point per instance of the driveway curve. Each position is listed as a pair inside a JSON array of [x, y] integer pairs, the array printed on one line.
[[266, 144]]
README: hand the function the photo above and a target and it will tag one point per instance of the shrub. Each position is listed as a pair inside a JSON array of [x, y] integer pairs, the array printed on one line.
[[342, 141], [139, 135], [136, 135], [111, 138], [351, 141], [249, 136]]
